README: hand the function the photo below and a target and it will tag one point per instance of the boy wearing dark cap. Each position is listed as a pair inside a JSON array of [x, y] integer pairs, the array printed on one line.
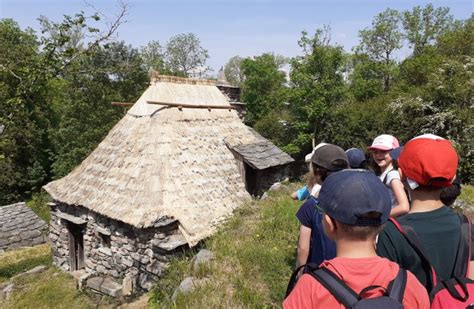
[[427, 164], [356, 204], [313, 245]]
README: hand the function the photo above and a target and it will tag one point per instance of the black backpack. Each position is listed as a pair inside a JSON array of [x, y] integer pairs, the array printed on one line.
[[392, 297]]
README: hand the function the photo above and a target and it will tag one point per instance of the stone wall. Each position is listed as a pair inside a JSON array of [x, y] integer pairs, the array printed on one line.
[[267, 177], [114, 248], [20, 227]]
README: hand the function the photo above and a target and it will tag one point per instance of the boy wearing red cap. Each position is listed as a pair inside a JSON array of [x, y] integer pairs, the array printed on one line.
[[427, 164], [355, 204]]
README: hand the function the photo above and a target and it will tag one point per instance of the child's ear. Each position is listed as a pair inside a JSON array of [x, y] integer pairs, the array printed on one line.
[[330, 224]]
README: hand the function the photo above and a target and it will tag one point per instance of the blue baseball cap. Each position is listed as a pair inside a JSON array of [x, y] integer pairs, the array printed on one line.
[[356, 157], [395, 153], [349, 195]]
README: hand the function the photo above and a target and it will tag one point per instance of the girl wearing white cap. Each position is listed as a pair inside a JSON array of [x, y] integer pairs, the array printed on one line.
[[389, 175]]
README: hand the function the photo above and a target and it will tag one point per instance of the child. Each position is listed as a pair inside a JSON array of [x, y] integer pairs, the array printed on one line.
[[357, 158], [311, 188], [313, 245], [356, 205], [380, 150], [427, 164]]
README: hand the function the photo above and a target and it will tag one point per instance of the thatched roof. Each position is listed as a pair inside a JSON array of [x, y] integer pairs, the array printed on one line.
[[164, 162]]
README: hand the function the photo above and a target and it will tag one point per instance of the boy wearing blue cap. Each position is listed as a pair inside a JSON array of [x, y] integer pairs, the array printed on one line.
[[356, 204]]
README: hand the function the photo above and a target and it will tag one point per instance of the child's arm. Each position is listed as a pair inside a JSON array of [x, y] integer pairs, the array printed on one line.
[[303, 245], [403, 206]]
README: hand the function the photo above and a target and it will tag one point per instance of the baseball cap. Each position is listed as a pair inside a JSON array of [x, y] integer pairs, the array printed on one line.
[[395, 153], [327, 155], [428, 160], [347, 196], [307, 158], [384, 142], [355, 156]]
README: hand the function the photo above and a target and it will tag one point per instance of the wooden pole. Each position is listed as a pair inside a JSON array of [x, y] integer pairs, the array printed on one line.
[[181, 106], [122, 103]]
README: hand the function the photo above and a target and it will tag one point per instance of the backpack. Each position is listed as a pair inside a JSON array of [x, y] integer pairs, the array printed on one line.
[[458, 291], [391, 298]]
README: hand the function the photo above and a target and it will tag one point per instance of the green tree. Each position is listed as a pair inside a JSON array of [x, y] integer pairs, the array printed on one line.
[[28, 67], [365, 77], [82, 101], [185, 56], [24, 115], [153, 57], [263, 88], [233, 71], [424, 25], [381, 41], [318, 86]]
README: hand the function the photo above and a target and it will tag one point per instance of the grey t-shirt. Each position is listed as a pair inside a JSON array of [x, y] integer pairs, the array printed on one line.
[[387, 178]]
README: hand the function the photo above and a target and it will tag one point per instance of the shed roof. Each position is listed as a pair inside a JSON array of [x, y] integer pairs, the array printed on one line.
[[262, 154]]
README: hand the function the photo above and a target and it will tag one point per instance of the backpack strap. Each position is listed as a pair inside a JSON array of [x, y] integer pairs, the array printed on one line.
[[386, 176], [463, 258], [308, 268], [396, 287], [414, 241], [343, 293]]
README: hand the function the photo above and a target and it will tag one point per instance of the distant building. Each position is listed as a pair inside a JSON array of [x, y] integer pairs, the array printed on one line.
[[164, 178]]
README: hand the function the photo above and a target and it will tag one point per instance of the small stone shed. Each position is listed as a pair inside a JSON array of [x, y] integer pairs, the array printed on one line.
[[20, 227], [164, 178]]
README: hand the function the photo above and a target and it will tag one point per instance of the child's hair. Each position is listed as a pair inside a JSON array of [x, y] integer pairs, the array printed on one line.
[[362, 233], [311, 179], [324, 172], [373, 166], [364, 165], [449, 194]]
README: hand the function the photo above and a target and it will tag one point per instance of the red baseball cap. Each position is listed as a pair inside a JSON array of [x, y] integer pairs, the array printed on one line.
[[429, 160]]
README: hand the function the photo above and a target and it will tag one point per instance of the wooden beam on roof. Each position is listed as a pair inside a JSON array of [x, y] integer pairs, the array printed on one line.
[[122, 103], [181, 106]]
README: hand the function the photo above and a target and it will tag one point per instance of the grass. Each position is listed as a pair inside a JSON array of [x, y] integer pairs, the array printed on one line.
[[254, 257], [18, 261], [39, 204], [52, 288], [467, 194]]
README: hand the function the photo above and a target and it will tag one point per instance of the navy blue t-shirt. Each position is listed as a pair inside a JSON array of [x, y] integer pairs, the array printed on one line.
[[321, 247]]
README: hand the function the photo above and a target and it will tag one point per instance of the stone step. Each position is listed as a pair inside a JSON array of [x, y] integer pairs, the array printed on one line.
[[105, 285], [80, 276]]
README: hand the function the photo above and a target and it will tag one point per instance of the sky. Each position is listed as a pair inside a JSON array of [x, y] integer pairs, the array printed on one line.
[[229, 28]]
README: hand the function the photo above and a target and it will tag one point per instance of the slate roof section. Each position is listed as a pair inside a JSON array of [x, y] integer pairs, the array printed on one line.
[[20, 227], [262, 154]]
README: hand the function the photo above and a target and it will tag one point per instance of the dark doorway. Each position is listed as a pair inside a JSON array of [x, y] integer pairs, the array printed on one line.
[[250, 179], [76, 246]]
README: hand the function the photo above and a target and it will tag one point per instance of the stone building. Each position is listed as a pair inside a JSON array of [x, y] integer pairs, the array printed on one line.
[[164, 178], [20, 227]]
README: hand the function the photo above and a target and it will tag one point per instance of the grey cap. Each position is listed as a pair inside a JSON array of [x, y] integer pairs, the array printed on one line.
[[327, 155]]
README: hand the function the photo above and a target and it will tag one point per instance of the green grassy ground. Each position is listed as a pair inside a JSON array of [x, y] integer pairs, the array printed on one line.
[[255, 255], [18, 261], [467, 194]]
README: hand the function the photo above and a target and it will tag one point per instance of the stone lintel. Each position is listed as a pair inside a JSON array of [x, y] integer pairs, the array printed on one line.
[[103, 231], [70, 218]]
